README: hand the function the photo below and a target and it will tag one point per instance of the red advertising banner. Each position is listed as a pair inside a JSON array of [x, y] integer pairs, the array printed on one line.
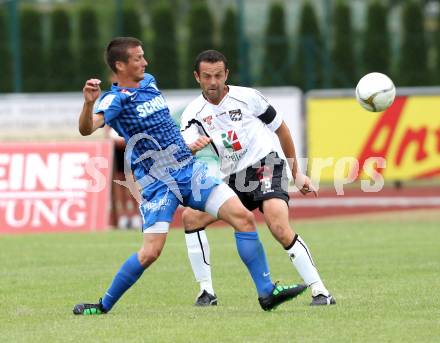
[[49, 187]]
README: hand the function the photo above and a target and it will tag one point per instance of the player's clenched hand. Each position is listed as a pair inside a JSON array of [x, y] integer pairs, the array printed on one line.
[[199, 144], [304, 184], [91, 90]]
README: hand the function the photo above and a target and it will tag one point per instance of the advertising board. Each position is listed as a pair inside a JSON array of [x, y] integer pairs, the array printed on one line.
[[48, 187]]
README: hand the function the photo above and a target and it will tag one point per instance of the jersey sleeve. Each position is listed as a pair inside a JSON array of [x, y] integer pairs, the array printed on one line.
[[189, 127], [265, 112], [109, 105], [150, 80]]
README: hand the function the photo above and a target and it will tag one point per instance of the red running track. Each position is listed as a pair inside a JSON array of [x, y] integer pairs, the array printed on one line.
[[353, 201]]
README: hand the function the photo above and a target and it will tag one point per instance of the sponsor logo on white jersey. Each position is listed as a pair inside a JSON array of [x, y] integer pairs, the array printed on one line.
[[208, 121], [231, 141], [235, 156], [234, 150]]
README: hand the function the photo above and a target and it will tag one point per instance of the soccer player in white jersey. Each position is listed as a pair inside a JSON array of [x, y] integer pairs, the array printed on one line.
[[238, 122]]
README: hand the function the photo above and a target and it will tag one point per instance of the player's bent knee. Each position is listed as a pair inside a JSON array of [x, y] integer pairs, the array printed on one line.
[[249, 220], [244, 220], [194, 220], [190, 219], [147, 256], [276, 228]]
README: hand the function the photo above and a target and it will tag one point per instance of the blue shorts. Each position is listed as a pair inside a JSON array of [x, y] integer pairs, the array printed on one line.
[[189, 186]]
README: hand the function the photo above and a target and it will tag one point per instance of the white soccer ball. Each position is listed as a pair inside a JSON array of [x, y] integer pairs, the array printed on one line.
[[375, 92]]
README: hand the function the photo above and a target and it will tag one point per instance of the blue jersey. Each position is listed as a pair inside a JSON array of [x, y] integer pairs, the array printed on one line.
[[143, 112]]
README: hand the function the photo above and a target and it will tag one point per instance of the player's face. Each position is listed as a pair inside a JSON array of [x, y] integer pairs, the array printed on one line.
[[212, 78], [135, 67]]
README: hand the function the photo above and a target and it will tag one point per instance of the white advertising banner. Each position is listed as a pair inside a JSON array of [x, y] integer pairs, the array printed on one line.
[[40, 116], [55, 115]]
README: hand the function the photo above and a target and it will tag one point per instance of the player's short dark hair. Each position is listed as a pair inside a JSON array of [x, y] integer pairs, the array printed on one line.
[[210, 56], [117, 50]]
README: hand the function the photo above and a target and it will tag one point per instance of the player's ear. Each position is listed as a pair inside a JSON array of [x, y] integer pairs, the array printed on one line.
[[196, 76], [120, 66], [226, 74]]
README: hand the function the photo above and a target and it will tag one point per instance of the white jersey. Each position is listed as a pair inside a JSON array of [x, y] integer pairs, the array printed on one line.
[[240, 126]]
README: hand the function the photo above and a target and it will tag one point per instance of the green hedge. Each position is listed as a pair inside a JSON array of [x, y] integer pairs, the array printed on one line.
[[33, 63], [61, 64], [376, 43], [90, 55], [131, 23], [310, 50], [275, 64], [201, 32], [49, 63], [413, 64], [344, 66], [5, 56], [229, 46], [436, 72], [164, 62]]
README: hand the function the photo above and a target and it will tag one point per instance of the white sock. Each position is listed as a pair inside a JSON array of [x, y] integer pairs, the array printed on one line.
[[199, 257], [302, 260], [123, 222]]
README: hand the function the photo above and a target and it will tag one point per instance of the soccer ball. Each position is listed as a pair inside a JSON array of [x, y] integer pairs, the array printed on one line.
[[375, 92]]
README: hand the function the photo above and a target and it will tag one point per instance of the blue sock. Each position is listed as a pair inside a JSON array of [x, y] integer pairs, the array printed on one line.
[[252, 254], [129, 273]]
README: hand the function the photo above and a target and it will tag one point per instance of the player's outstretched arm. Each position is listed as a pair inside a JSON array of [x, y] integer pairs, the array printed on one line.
[[288, 147], [89, 122], [302, 181]]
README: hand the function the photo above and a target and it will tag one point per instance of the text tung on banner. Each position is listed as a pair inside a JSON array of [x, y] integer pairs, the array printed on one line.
[[54, 187]]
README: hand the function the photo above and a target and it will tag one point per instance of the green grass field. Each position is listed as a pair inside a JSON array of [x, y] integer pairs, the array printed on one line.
[[384, 272]]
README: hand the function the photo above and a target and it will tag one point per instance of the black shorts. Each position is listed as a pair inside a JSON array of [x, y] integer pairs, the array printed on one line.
[[266, 179]]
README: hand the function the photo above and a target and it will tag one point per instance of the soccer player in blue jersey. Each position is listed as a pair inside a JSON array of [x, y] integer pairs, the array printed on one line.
[[168, 174]]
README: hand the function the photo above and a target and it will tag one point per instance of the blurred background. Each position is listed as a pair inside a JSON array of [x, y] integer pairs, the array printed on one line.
[[305, 55], [53, 45]]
